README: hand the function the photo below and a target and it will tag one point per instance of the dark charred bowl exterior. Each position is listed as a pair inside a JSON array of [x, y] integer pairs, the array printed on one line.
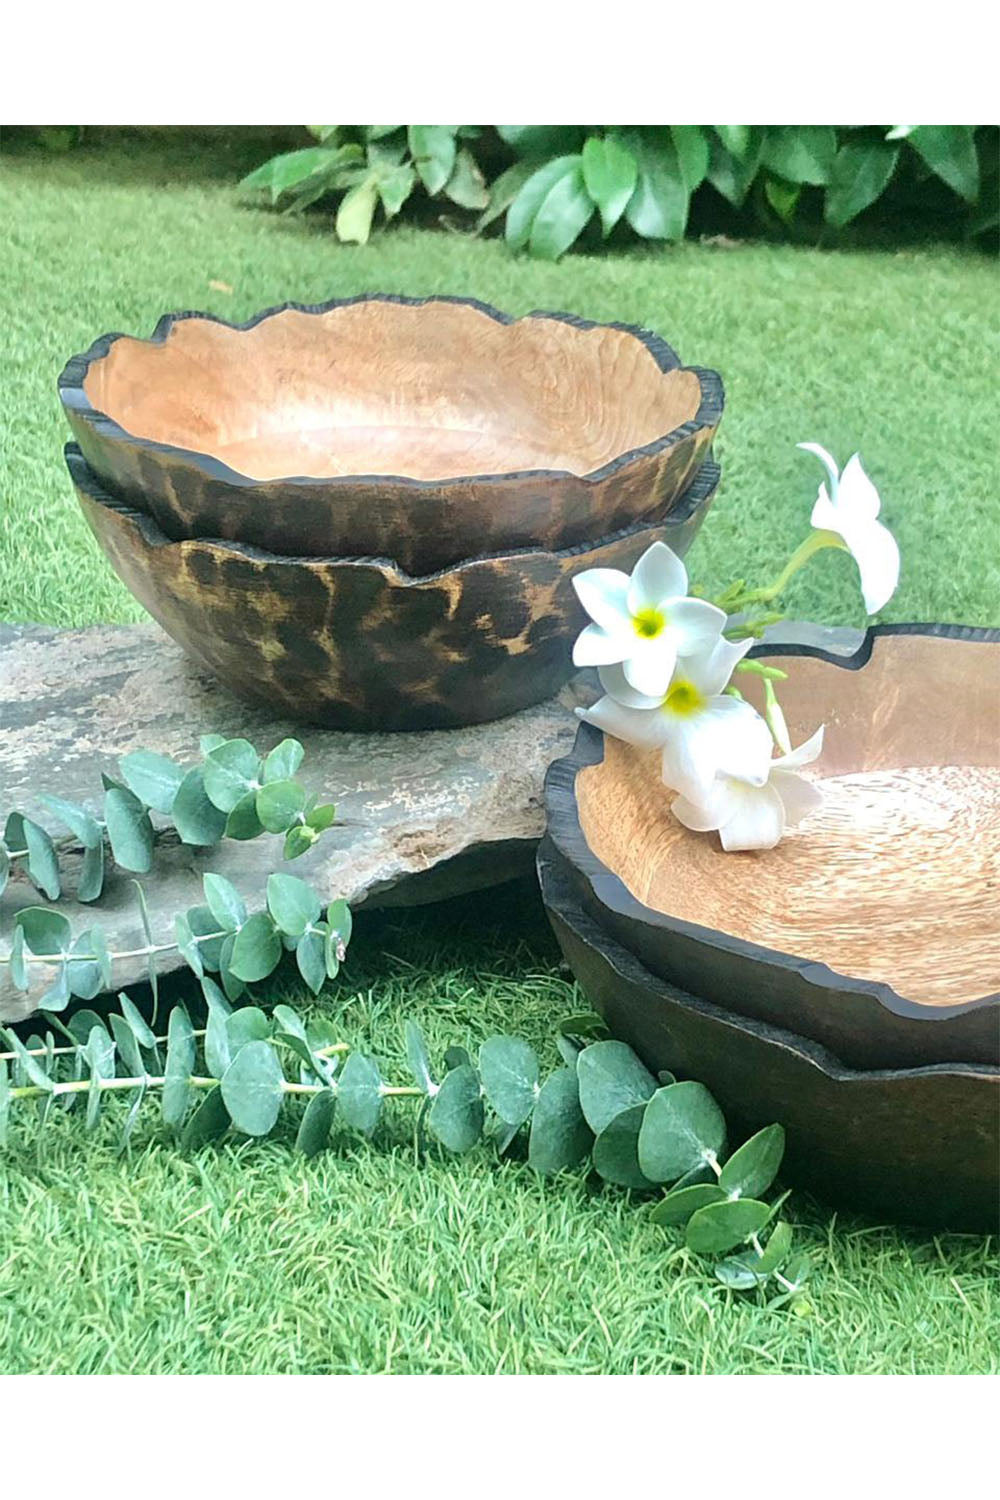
[[916, 1145], [864, 1022], [424, 525], [356, 643]]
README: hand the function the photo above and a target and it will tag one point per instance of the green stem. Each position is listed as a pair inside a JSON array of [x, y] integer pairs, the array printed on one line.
[[816, 541], [83, 1085], [92, 958]]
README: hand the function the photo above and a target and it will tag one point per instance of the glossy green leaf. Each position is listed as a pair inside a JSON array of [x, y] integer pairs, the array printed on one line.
[[720, 1226], [395, 183], [155, 779], [283, 761], [433, 150], [658, 208], [562, 217], [456, 1114], [231, 770], [732, 173], [291, 169], [314, 1130], [616, 1156], [357, 208], [861, 173], [360, 1093], [207, 1123], [800, 153], [90, 882], [45, 931], [783, 197], [243, 823], [609, 174], [322, 817], [504, 190], [338, 915], [524, 209], [257, 948], [560, 1137], [678, 1206], [751, 1170], [775, 1251], [298, 841], [293, 904], [683, 1125], [542, 140], [612, 1079], [509, 1071], [466, 186], [310, 958], [736, 138], [224, 902], [950, 152], [129, 829], [280, 804], [77, 819], [691, 145], [197, 820], [253, 1088]]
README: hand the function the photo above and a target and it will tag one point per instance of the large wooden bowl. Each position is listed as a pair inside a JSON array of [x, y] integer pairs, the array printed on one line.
[[425, 431], [917, 1145], [873, 928], [358, 643]]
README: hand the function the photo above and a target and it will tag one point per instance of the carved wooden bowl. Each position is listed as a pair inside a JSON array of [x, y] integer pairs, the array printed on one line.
[[427, 432], [918, 1145], [874, 927], [357, 643]]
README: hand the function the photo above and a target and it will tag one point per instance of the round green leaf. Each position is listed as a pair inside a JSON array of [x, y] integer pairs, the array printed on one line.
[[208, 1122], [256, 949], [720, 1226], [314, 1131], [129, 829], [243, 823], [678, 1206], [616, 1156], [84, 974], [751, 1170], [360, 1093], [279, 805], [247, 1024], [292, 903], [253, 1087], [43, 866], [612, 1079], [509, 1070], [322, 817], [91, 878], [560, 1136], [310, 956], [224, 902], [197, 820], [44, 931], [298, 840], [77, 819], [154, 779], [456, 1115], [283, 761], [683, 1125], [609, 174], [231, 770], [189, 950]]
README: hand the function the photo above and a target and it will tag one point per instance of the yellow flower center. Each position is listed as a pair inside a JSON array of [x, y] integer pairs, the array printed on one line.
[[649, 622], [683, 698]]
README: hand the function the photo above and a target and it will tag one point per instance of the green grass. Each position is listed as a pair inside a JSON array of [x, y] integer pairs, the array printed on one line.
[[246, 1259]]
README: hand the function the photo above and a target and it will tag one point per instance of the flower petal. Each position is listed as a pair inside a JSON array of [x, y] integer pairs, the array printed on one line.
[[826, 459], [825, 516], [798, 796], [706, 813], [615, 683], [603, 592], [695, 625], [735, 739], [636, 726], [756, 819], [594, 647], [657, 576], [808, 751], [710, 671], [876, 552], [682, 768], [856, 492], [650, 666]]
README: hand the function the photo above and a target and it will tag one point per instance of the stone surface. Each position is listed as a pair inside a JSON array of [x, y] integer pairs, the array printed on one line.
[[421, 816]]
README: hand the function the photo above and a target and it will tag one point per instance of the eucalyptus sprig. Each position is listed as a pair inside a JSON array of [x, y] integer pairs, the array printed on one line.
[[218, 936], [235, 792], [601, 1109]]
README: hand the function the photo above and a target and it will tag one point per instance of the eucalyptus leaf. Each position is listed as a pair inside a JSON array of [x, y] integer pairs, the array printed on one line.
[[456, 1113], [298, 841], [322, 817], [129, 830], [719, 1227], [310, 958], [283, 761], [314, 1130], [233, 986], [43, 867], [682, 1127], [197, 820], [612, 1079], [416, 1056], [17, 968], [210, 938], [91, 879], [83, 974], [678, 1206], [616, 1156], [128, 1047], [253, 1088], [243, 823], [509, 1071], [181, 1053], [257, 948], [154, 779], [56, 997], [99, 1055], [560, 1137], [247, 1024], [207, 1123], [140, 1028], [231, 770], [135, 1105], [45, 931], [187, 945], [33, 1070], [77, 819], [751, 1170], [293, 905], [280, 804], [218, 1054], [224, 902], [360, 1093]]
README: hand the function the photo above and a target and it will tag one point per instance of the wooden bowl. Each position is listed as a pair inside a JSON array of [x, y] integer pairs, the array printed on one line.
[[917, 1145], [357, 643], [874, 927], [430, 431]]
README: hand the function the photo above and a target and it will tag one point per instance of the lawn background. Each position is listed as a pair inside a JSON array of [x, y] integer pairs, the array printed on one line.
[[247, 1259]]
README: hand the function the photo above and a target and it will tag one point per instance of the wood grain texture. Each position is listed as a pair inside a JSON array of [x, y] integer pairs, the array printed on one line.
[[359, 644], [916, 1145], [874, 927], [425, 431]]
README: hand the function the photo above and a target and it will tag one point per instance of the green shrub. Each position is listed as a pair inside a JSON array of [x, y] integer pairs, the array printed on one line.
[[553, 184]]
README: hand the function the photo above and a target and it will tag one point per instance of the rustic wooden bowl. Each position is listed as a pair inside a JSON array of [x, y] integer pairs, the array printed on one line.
[[430, 431], [357, 643], [918, 1145], [873, 928]]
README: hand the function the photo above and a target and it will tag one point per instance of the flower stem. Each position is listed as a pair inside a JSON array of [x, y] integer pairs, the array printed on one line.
[[816, 541]]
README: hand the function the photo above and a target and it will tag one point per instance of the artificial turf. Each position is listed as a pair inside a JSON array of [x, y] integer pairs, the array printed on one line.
[[245, 1258]]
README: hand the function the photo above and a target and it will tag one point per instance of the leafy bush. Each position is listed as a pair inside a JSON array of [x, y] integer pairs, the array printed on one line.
[[555, 184]]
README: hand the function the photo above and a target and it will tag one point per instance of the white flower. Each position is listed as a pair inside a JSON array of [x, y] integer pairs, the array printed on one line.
[[850, 511], [700, 731], [644, 622], [755, 816]]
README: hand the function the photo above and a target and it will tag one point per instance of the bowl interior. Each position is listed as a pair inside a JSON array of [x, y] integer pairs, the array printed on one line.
[[896, 877], [435, 391]]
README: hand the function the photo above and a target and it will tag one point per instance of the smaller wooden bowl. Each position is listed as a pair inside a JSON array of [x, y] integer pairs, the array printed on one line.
[[357, 643], [916, 1145], [874, 927], [425, 431]]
